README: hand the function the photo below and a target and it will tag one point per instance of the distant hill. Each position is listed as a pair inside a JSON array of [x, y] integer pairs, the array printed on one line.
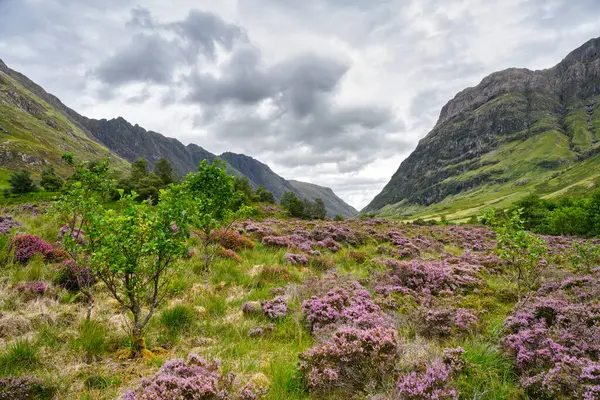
[[334, 204], [517, 132], [36, 128]]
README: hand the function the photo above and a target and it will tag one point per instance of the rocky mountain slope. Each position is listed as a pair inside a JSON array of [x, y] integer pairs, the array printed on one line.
[[518, 131], [36, 128], [335, 205]]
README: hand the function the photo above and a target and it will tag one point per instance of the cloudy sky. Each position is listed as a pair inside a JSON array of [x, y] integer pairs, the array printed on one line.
[[335, 92]]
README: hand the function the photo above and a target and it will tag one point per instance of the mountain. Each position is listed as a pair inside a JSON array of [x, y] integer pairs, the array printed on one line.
[[518, 131], [333, 204], [36, 128]]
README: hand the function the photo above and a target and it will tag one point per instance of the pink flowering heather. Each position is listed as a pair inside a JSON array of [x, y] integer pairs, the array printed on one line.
[[73, 276], [433, 383], [554, 340], [427, 277], [340, 306], [352, 360], [26, 246], [25, 388], [32, 288], [276, 308], [295, 259], [330, 244], [7, 223], [194, 378], [75, 233]]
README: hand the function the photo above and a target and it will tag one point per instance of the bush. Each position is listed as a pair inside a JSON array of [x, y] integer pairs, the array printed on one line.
[[232, 240], [229, 254], [295, 259], [352, 360], [91, 340], [50, 181], [26, 246], [433, 383], [276, 308], [441, 322], [194, 378], [17, 357], [32, 288], [21, 182], [73, 276], [25, 388], [178, 318], [7, 223], [553, 340]]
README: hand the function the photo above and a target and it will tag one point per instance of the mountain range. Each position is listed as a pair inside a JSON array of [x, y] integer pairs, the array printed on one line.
[[36, 128], [518, 131]]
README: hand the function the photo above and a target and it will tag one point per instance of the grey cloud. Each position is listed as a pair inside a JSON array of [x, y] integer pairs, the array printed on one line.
[[148, 58], [154, 55]]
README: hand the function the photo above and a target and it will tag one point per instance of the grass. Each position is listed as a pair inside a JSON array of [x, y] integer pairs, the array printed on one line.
[[18, 357], [91, 341]]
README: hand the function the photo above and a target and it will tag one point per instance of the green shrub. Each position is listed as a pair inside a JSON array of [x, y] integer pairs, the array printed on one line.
[[92, 340], [178, 318], [18, 357]]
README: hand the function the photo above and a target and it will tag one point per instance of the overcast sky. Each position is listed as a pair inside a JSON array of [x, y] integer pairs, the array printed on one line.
[[334, 92]]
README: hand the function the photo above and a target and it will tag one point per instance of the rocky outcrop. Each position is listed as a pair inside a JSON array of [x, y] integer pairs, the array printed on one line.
[[516, 119]]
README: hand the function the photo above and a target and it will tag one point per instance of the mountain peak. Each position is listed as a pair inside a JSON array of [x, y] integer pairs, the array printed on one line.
[[3, 67], [517, 131]]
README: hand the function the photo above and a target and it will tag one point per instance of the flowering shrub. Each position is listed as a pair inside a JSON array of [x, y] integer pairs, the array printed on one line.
[[75, 233], [440, 322], [329, 244], [230, 254], [295, 259], [554, 340], [232, 240], [32, 288], [276, 308], [340, 306], [352, 360], [194, 378], [24, 388], [26, 246], [427, 277], [73, 276], [7, 223], [433, 383], [251, 307]]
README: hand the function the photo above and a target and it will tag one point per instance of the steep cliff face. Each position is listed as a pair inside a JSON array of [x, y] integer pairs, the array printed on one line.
[[517, 131]]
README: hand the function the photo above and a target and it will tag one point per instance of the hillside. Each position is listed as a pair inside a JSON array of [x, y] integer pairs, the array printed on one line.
[[35, 133], [335, 205], [518, 131], [36, 128]]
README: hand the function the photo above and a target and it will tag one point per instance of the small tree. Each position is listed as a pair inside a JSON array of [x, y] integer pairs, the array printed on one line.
[[50, 181], [164, 170], [523, 251], [292, 204], [208, 195], [319, 210], [264, 196], [86, 191], [135, 252], [21, 182]]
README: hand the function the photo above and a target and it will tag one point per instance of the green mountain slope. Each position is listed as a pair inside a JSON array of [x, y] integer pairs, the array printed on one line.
[[518, 131], [36, 128], [334, 205], [34, 133]]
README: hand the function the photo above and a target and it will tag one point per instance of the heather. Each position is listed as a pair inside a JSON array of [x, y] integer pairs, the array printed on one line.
[[293, 309]]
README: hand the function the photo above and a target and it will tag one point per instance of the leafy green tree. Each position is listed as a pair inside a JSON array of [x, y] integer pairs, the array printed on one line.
[[523, 251], [208, 197], [320, 212], [164, 170], [21, 182], [135, 254], [292, 204], [86, 191], [139, 169], [50, 181], [534, 211], [242, 191], [264, 196]]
